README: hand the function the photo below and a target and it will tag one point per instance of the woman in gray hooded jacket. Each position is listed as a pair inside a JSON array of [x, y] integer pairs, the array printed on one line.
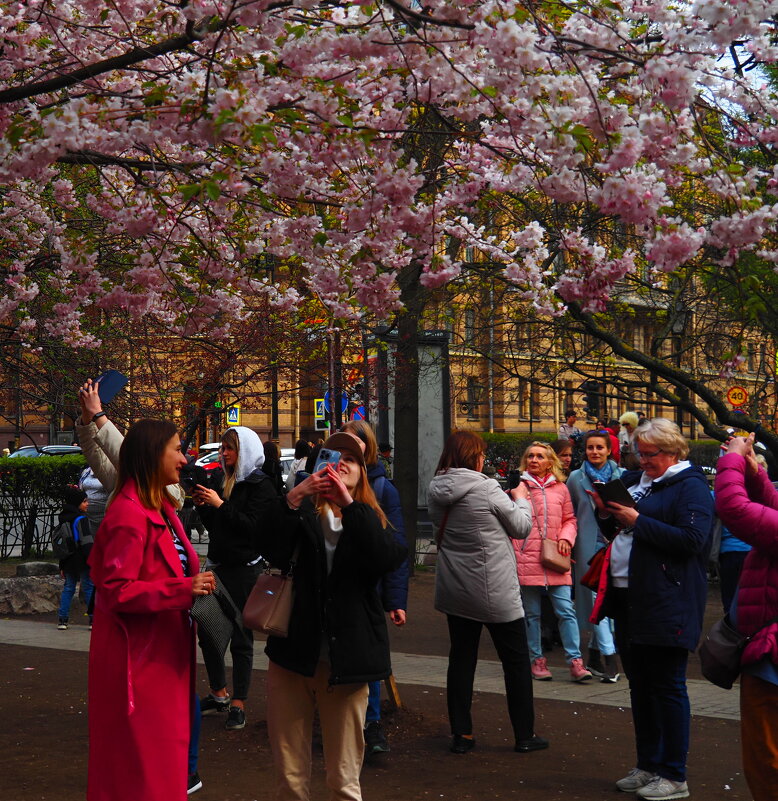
[[233, 519], [476, 585]]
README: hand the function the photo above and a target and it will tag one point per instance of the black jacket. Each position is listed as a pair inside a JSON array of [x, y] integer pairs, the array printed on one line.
[[343, 606], [233, 528]]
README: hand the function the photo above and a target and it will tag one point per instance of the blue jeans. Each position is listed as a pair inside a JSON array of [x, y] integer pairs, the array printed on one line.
[[194, 735], [601, 634], [69, 590], [562, 603], [373, 701]]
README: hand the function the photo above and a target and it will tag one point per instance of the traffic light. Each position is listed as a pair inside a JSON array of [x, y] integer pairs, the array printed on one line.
[[592, 394]]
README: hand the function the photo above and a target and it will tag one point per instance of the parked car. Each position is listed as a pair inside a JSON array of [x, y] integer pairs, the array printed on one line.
[[25, 450], [46, 450], [210, 461], [287, 457]]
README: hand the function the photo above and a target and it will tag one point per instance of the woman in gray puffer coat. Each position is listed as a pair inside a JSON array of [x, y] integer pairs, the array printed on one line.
[[476, 585]]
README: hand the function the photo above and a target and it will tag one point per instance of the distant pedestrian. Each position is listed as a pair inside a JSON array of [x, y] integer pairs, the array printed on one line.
[[302, 450], [74, 568], [385, 457], [569, 429]]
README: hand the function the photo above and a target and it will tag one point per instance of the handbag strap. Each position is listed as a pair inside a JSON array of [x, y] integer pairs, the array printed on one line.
[[292, 561]]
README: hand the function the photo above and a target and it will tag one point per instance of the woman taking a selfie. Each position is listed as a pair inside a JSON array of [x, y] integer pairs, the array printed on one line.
[[142, 655], [233, 519], [333, 532]]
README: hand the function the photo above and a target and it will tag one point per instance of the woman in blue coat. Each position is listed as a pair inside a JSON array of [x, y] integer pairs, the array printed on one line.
[[654, 585]]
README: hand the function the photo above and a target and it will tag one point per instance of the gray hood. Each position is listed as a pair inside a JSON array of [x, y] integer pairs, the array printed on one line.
[[451, 486], [251, 454]]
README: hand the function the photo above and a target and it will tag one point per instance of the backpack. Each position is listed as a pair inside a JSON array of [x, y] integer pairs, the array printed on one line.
[[69, 537]]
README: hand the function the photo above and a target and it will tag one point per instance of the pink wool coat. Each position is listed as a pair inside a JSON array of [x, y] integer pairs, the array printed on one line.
[[550, 504], [141, 657]]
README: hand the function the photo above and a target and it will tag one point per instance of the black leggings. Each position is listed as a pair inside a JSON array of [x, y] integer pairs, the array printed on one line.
[[239, 582], [510, 640]]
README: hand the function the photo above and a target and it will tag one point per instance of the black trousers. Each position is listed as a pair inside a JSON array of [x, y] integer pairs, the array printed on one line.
[[510, 640], [239, 582]]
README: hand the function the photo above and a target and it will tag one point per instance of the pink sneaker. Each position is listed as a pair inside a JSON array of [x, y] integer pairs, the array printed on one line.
[[577, 670], [540, 670]]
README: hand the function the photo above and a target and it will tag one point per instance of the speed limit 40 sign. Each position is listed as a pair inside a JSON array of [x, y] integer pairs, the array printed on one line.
[[737, 396]]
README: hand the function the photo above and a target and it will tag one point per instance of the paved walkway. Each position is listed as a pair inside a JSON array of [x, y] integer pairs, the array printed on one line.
[[429, 671]]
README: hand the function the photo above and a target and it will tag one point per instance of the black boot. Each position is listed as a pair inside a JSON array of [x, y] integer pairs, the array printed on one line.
[[611, 673], [594, 663]]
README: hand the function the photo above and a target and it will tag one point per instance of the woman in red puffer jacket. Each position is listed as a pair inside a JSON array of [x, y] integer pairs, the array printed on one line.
[[542, 483]]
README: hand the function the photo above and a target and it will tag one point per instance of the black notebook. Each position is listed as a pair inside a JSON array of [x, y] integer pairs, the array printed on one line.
[[615, 491]]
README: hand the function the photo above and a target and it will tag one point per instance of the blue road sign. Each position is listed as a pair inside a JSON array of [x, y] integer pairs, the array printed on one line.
[[343, 401]]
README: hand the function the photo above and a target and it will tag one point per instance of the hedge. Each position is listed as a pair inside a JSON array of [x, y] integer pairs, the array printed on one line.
[[504, 451], [31, 497]]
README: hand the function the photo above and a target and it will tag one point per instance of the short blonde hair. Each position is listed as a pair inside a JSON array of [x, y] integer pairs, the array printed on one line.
[[629, 419], [663, 434]]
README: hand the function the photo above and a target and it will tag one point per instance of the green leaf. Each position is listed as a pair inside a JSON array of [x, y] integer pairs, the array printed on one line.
[[346, 119], [320, 238], [489, 91], [188, 191], [212, 189]]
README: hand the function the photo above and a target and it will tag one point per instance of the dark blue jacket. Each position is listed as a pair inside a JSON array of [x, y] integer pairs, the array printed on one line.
[[667, 567], [393, 587]]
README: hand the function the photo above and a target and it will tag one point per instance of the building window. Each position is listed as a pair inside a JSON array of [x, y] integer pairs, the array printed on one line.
[[471, 404]]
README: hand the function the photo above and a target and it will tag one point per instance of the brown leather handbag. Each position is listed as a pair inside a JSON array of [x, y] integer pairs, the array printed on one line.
[[268, 608]]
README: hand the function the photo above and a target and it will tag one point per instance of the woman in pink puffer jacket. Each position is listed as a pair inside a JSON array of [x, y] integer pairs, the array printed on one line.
[[542, 483]]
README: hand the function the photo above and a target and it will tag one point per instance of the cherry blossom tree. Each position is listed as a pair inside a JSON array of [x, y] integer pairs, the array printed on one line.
[[151, 151]]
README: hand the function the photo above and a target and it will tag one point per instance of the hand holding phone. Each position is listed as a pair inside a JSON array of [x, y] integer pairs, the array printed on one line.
[[109, 384], [326, 456]]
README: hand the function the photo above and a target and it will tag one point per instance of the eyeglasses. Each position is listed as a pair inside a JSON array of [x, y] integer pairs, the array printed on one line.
[[642, 455]]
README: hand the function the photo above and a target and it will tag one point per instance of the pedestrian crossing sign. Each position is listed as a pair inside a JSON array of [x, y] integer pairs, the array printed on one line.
[[233, 416]]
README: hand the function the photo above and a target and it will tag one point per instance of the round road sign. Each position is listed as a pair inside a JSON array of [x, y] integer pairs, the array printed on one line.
[[737, 396]]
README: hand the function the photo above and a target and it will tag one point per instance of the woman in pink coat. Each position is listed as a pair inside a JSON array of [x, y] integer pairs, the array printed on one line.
[[141, 657], [542, 483]]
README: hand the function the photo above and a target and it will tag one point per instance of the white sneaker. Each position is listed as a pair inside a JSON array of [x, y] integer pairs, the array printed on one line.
[[661, 789], [634, 780]]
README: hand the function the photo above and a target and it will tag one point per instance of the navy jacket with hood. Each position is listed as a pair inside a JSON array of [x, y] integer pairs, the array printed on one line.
[[668, 564]]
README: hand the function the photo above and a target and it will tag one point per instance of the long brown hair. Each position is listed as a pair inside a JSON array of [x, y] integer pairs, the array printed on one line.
[[140, 459], [363, 430], [462, 449]]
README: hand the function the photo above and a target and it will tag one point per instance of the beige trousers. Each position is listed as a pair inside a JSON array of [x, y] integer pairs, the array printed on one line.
[[291, 702]]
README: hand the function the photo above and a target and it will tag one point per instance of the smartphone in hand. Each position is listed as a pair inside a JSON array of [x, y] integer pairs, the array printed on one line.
[[326, 456], [109, 384]]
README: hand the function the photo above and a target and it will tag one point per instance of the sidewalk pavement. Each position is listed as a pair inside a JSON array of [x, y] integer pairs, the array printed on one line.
[[707, 701]]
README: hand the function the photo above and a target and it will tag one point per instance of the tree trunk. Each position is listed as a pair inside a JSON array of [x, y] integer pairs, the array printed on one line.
[[406, 409]]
